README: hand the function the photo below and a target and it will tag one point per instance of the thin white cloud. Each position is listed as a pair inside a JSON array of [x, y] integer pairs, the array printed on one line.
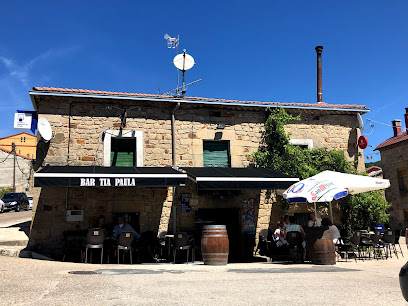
[[22, 72]]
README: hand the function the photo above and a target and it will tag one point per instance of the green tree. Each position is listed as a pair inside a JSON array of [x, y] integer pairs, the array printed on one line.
[[358, 211]]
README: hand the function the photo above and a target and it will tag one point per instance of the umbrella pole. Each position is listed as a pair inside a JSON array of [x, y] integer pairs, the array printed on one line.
[[315, 209], [331, 212]]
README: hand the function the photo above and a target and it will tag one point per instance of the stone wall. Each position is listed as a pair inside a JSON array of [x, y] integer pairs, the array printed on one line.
[[23, 168], [393, 158], [49, 221]]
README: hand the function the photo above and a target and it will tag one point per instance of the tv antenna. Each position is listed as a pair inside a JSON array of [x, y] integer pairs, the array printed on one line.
[[183, 62]]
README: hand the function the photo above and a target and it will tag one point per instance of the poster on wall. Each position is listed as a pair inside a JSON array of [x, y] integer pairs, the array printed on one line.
[[248, 215], [185, 203]]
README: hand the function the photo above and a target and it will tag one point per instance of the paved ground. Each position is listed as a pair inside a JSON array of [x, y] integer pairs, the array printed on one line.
[[15, 227], [32, 282]]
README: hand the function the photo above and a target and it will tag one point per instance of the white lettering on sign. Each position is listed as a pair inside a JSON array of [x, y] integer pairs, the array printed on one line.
[[87, 182], [104, 182], [125, 182]]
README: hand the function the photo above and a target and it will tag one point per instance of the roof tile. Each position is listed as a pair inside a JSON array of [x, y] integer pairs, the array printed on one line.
[[393, 140], [99, 92]]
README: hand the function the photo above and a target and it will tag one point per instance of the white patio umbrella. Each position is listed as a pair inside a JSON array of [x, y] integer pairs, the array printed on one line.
[[330, 185]]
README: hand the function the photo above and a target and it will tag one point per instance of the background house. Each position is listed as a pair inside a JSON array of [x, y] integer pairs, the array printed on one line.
[[395, 165], [90, 130], [25, 144]]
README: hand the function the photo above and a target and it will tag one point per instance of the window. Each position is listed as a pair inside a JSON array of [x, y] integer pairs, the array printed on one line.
[[303, 143], [19, 151], [28, 155], [123, 152], [402, 179], [216, 154]]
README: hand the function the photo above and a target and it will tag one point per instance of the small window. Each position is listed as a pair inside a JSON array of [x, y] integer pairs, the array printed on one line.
[[28, 155], [216, 154], [123, 151], [21, 139], [19, 151], [402, 179]]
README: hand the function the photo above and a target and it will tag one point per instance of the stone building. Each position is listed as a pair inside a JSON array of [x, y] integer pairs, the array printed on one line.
[[213, 180], [23, 171], [395, 164]]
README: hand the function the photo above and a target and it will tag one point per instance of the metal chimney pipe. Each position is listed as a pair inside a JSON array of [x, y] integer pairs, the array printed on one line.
[[319, 50]]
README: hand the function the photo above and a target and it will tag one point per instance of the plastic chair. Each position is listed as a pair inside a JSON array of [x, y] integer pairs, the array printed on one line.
[[295, 240], [388, 240], [181, 242], [94, 240], [397, 238], [125, 244], [375, 242], [263, 243]]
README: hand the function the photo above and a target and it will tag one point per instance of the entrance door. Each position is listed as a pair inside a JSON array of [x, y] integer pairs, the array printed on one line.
[[231, 218]]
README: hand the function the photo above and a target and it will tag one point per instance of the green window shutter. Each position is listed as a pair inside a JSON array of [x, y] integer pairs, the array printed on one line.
[[216, 154], [123, 152]]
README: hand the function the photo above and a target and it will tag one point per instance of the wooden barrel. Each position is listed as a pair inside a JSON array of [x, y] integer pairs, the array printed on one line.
[[215, 245], [324, 252]]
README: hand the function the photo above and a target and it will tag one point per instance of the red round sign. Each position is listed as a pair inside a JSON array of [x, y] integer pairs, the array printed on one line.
[[362, 142]]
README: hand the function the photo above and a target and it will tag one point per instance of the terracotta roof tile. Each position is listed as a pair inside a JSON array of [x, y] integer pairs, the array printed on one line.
[[393, 140], [125, 94], [8, 151]]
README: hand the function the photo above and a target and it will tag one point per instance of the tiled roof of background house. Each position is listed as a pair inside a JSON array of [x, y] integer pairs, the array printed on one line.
[[393, 140], [126, 94], [8, 151]]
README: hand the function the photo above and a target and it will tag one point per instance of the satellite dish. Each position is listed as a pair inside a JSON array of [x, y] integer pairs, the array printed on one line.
[[44, 128], [360, 122], [183, 61]]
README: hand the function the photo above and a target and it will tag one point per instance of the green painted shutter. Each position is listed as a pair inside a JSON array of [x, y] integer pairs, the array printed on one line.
[[123, 159], [216, 154]]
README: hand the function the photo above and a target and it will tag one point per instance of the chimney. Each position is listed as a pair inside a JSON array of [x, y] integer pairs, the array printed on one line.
[[406, 119], [396, 127], [319, 50]]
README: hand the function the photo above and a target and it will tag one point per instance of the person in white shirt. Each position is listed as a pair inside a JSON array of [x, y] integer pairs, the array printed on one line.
[[314, 221], [333, 229]]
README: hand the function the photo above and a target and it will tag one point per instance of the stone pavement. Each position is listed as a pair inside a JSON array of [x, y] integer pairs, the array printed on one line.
[[32, 282]]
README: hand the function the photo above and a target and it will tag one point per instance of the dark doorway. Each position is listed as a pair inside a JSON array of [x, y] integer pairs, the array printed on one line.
[[230, 217]]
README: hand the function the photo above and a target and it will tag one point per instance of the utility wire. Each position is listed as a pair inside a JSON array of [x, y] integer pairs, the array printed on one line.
[[5, 158]]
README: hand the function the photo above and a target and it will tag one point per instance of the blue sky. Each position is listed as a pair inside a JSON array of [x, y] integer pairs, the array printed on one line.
[[247, 50]]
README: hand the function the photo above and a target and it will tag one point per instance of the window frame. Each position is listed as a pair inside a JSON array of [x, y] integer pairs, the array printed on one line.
[[125, 133]]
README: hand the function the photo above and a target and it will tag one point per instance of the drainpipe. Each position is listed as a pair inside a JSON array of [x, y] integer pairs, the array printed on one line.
[[173, 155]]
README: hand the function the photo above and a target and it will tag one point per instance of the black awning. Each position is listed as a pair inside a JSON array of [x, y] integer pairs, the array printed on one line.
[[89, 176], [238, 178]]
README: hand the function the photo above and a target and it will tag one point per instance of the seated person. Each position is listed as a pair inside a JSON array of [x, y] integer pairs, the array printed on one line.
[[100, 223], [314, 221], [278, 235], [122, 227], [285, 220], [293, 227], [333, 229]]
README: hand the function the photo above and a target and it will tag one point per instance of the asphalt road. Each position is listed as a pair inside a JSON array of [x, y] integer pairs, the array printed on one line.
[[36, 282], [11, 217], [15, 227]]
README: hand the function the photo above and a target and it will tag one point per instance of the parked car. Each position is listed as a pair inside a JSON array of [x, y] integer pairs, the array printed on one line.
[[15, 200], [30, 201], [1, 207]]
